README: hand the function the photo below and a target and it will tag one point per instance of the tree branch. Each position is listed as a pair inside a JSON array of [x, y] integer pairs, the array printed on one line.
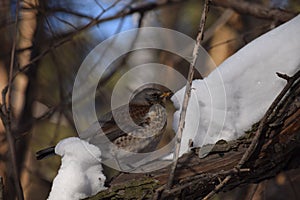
[[275, 151], [6, 113], [256, 10], [187, 93]]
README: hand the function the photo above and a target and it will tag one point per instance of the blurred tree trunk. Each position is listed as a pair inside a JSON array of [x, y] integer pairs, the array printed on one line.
[[5, 41], [23, 86]]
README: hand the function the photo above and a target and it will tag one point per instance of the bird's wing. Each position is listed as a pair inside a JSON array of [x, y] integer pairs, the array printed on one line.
[[114, 128]]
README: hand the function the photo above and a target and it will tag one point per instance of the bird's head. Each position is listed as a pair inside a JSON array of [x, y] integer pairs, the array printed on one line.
[[152, 96]]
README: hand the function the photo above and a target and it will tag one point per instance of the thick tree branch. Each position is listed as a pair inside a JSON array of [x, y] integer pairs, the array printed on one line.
[[276, 150]]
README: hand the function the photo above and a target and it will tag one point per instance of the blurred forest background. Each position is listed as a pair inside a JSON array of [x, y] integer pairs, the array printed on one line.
[[43, 43]]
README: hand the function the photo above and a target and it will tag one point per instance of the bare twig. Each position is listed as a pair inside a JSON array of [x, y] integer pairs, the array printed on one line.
[[283, 76], [218, 187], [99, 4], [187, 93], [267, 13], [65, 22], [221, 21], [7, 114], [242, 37], [256, 10], [140, 8], [115, 68]]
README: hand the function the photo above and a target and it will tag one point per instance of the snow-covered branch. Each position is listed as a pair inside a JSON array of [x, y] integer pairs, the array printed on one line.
[[196, 177]]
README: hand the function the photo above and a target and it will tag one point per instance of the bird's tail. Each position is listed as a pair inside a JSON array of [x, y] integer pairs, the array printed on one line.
[[44, 153]]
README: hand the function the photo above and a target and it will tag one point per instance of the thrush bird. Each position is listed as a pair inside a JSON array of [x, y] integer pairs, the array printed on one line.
[[147, 111]]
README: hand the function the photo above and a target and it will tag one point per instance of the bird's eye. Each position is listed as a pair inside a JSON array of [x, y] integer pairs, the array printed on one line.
[[155, 96]]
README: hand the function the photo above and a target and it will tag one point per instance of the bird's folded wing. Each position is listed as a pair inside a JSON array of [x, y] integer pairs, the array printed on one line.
[[121, 124]]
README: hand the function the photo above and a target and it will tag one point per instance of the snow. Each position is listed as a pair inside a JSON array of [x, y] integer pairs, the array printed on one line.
[[236, 95], [80, 174]]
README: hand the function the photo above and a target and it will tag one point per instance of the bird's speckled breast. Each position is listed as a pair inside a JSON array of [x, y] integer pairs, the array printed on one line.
[[147, 136]]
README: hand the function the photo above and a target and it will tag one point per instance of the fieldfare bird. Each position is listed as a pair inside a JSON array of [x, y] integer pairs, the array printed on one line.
[[148, 112]]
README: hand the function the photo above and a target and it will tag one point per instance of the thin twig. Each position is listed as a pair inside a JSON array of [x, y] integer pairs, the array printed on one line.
[[242, 37], [217, 188], [140, 8], [220, 22], [187, 93], [283, 76], [190, 181], [255, 9], [65, 22], [99, 4], [7, 117], [276, 14], [115, 68], [158, 192]]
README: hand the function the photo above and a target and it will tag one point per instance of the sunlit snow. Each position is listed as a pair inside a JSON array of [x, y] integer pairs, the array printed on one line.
[[234, 97], [80, 174]]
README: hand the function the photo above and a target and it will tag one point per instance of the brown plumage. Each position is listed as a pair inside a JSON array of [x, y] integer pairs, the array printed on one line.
[[147, 111]]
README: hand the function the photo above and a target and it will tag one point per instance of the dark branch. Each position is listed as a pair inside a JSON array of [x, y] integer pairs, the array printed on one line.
[[256, 10]]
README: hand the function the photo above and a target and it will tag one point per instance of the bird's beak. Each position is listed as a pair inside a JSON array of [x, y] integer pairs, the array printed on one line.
[[166, 95]]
